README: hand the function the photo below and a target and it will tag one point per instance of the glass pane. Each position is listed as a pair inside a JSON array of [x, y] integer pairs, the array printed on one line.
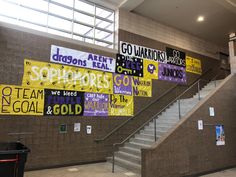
[[85, 7], [88, 40], [102, 44], [77, 37], [65, 2], [39, 4], [8, 9], [83, 30], [33, 16], [8, 20], [103, 13], [104, 25], [102, 35], [55, 9], [84, 18], [32, 26], [52, 31], [59, 23]]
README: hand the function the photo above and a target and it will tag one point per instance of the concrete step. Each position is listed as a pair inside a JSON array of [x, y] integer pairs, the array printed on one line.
[[130, 157], [147, 136], [136, 145], [130, 150], [128, 165], [141, 141]]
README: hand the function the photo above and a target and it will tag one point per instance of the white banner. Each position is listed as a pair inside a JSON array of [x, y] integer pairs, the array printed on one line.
[[77, 58]]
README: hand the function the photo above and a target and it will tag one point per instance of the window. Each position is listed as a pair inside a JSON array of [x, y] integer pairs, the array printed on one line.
[[77, 19]]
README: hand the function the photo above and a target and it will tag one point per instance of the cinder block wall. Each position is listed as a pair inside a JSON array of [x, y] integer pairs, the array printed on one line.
[[188, 151]]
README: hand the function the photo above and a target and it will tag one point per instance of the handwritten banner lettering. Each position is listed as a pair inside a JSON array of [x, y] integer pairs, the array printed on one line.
[[63, 103], [54, 76], [142, 52], [122, 84], [150, 70], [175, 57], [193, 65], [72, 57], [142, 87], [17, 100], [172, 73]]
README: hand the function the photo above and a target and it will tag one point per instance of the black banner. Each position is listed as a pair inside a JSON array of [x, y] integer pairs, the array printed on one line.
[[175, 57], [127, 65], [63, 103]]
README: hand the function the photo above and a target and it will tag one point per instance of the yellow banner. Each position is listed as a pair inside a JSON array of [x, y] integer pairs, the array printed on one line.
[[150, 70], [55, 76], [142, 87], [193, 65], [121, 105], [17, 100]]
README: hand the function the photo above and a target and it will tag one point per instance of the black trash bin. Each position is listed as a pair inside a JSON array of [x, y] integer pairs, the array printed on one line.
[[12, 159]]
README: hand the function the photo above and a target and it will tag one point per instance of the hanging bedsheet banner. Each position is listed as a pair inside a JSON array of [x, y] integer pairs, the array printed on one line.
[[96, 104], [138, 51], [172, 73], [142, 87], [150, 69], [78, 58], [17, 100], [129, 65], [63, 103], [175, 57], [122, 84], [193, 65], [121, 105], [55, 76]]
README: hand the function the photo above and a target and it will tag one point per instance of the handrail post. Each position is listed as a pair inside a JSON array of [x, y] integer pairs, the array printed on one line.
[[198, 89], [113, 158], [155, 130], [215, 82], [179, 108]]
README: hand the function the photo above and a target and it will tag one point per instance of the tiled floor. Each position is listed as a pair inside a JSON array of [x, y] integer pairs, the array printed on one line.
[[91, 170]]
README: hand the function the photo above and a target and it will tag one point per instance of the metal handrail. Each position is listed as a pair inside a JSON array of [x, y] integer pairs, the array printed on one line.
[[156, 115]]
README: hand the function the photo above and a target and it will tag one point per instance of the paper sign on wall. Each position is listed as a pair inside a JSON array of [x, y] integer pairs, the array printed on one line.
[[17, 100], [54, 76], [172, 73], [76, 127], [175, 57], [89, 129], [212, 111], [121, 105], [193, 65], [122, 84], [63, 103], [150, 69], [200, 124], [72, 57], [220, 135], [142, 87], [96, 104]]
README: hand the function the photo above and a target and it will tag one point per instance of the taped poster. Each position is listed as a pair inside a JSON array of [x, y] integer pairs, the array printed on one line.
[[172, 73], [63, 103], [122, 84], [175, 57], [150, 70], [142, 87], [96, 104], [17, 100], [55, 76], [193, 65], [78, 58], [121, 105], [138, 51], [220, 135], [129, 65]]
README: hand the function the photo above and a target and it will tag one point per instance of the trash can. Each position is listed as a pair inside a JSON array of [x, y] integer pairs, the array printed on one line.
[[12, 159]]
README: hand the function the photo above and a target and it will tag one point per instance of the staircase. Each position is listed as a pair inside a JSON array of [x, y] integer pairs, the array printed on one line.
[[129, 155]]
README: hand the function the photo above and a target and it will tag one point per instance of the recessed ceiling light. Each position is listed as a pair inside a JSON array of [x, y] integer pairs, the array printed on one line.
[[200, 18]]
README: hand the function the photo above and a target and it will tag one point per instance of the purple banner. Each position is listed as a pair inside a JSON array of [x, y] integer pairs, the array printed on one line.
[[171, 73], [122, 84], [95, 104]]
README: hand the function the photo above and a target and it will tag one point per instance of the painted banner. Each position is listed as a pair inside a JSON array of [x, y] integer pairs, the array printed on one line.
[[175, 57], [96, 104], [129, 65], [78, 58], [55, 76], [121, 105], [133, 50], [17, 100], [122, 84], [171, 73], [193, 65], [142, 87], [220, 135], [63, 103], [150, 69]]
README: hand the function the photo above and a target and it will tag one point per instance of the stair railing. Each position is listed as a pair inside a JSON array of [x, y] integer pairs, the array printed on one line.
[[156, 115]]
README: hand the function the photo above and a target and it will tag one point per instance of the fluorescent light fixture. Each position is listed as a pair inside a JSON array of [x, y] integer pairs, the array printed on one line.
[[200, 18]]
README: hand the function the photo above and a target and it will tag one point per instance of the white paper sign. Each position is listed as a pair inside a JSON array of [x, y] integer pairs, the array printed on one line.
[[81, 59], [200, 125], [212, 111], [77, 127], [89, 129]]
